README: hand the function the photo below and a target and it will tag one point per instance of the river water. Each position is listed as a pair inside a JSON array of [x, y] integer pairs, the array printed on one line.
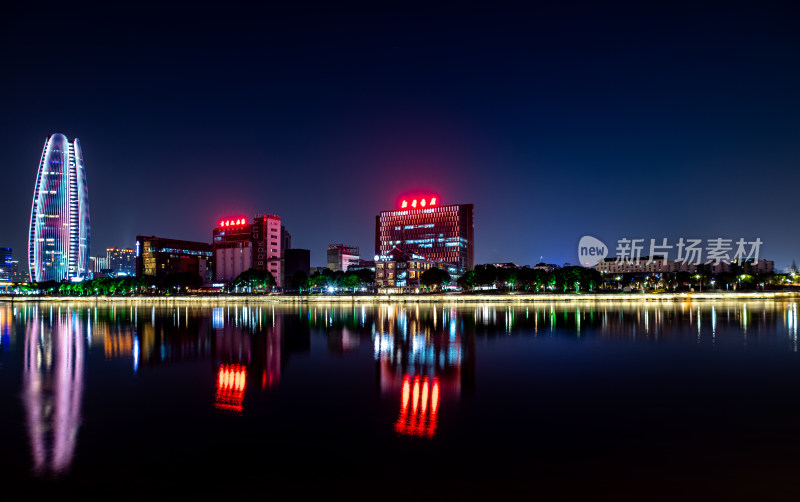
[[570, 401]]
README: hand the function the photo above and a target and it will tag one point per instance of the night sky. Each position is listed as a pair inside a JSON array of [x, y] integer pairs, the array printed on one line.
[[556, 120]]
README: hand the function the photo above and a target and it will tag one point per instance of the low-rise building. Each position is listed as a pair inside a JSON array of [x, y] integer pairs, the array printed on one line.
[[121, 261], [341, 256], [659, 264], [761, 267], [159, 257], [547, 267], [399, 272]]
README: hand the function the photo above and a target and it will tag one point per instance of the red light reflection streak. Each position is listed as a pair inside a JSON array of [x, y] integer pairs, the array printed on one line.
[[424, 396], [415, 396], [231, 382], [400, 425], [421, 421]]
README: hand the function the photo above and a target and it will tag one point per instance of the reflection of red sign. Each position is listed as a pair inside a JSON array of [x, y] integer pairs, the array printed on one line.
[[419, 407], [231, 380]]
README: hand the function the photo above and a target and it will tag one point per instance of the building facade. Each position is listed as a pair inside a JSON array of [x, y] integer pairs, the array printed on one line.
[[438, 233], [58, 240], [121, 261], [6, 265], [159, 257], [399, 271], [240, 245], [341, 256], [19, 274], [97, 264], [297, 260]]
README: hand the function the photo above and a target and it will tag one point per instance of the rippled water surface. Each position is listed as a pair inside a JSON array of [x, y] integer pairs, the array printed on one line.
[[611, 401]]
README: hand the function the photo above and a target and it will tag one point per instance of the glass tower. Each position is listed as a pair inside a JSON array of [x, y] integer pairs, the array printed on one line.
[[58, 243]]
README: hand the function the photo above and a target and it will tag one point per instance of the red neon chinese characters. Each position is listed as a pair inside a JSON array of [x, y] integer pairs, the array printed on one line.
[[236, 222], [419, 202]]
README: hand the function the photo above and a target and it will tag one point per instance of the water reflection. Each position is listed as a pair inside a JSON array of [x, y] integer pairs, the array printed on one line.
[[421, 353], [419, 407], [425, 354], [231, 381], [52, 386], [249, 341]]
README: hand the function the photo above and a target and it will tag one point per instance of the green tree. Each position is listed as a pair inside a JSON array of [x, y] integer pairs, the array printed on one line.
[[176, 283], [350, 281], [434, 278], [365, 276], [299, 281], [254, 280], [468, 280]]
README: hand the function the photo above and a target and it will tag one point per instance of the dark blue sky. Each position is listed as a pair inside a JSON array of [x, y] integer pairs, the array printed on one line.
[[556, 120]]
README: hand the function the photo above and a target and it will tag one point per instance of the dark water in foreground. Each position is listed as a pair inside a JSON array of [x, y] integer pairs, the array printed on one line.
[[602, 401]]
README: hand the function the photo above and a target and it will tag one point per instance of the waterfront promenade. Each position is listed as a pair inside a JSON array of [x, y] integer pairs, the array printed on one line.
[[420, 298]]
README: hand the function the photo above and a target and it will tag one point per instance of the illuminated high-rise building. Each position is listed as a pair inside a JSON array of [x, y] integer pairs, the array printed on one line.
[[58, 242], [240, 245], [424, 227]]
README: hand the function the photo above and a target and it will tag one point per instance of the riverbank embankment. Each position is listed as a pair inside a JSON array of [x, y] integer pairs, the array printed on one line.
[[423, 298]]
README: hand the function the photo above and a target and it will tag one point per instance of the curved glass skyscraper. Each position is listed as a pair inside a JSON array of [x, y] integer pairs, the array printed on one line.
[[58, 244]]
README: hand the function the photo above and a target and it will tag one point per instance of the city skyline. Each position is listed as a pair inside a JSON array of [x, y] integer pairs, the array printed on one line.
[[556, 122]]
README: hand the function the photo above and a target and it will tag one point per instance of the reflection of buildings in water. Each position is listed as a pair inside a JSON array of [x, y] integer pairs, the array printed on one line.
[[642, 320], [345, 328], [165, 335], [116, 332], [700, 321], [250, 346], [6, 316], [419, 407], [53, 388], [421, 352]]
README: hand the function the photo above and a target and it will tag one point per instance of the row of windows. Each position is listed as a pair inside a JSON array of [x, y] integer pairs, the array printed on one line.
[[413, 212]]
